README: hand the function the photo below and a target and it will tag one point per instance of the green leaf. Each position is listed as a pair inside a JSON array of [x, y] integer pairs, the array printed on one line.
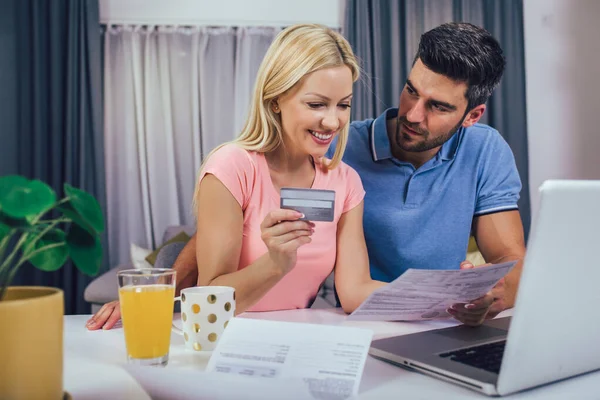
[[50, 259], [83, 209], [10, 181], [20, 198], [85, 250]]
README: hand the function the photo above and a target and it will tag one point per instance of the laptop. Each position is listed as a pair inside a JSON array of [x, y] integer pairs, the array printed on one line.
[[554, 329]]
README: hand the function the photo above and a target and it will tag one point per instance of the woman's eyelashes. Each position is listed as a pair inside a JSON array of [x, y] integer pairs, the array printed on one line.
[[316, 106]]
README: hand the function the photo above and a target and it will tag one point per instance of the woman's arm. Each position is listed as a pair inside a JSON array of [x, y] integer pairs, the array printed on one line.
[[352, 274], [219, 244]]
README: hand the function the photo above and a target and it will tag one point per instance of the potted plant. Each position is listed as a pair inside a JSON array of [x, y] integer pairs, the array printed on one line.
[[38, 228]]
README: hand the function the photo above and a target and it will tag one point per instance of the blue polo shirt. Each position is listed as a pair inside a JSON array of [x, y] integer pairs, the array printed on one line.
[[421, 218]]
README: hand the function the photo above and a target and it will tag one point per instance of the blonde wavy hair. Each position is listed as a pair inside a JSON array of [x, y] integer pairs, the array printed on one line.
[[296, 51]]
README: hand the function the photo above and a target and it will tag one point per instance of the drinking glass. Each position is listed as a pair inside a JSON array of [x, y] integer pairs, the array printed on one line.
[[146, 297]]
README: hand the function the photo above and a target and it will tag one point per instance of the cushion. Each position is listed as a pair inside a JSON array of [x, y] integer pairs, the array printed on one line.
[[168, 254], [172, 231], [138, 256], [473, 254], [181, 237]]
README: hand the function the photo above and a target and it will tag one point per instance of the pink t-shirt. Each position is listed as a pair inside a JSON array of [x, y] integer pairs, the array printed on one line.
[[246, 175]]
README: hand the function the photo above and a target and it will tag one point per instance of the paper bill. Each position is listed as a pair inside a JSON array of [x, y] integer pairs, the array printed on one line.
[[189, 384], [427, 294], [328, 359]]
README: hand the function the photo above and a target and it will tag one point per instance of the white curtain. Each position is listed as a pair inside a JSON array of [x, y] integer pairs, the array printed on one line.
[[172, 94]]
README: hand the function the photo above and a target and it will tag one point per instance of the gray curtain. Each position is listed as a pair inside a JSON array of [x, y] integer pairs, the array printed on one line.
[[51, 108], [172, 94], [385, 34], [507, 106]]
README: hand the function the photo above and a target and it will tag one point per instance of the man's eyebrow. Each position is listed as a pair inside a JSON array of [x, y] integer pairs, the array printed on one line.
[[449, 106], [410, 85], [443, 104], [325, 97]]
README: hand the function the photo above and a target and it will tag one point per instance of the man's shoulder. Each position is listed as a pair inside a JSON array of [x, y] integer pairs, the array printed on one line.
[[361, 127], [482, 137], [358, 134], [358, 139], [484, 147], [482, 132]]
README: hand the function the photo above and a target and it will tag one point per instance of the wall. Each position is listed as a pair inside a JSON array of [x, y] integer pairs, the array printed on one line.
[[222, 12], [562, 56]]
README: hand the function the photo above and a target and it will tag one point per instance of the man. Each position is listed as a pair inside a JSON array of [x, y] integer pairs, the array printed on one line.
[[432, 175]]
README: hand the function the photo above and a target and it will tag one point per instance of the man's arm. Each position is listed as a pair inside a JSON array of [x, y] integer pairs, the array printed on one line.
[[500, 238], [186, 266]]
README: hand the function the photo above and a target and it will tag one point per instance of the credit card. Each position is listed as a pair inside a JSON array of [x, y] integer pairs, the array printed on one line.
[[315, 204]]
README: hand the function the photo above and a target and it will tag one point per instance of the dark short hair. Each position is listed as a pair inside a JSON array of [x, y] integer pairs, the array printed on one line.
[[465, 53]]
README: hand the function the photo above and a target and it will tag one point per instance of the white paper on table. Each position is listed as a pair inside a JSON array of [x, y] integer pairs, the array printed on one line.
[[328, 359], [183, 384], [427, 294]]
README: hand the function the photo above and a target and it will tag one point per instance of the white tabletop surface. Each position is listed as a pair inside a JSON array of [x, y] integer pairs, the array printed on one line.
[[94, 359]]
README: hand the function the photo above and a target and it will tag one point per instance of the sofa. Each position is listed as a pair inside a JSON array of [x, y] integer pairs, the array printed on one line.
[[104, 289]]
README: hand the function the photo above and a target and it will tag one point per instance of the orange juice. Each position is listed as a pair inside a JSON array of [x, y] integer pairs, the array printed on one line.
[[147, 314]]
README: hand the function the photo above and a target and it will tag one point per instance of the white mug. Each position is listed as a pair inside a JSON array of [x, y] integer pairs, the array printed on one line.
[[205, 313]]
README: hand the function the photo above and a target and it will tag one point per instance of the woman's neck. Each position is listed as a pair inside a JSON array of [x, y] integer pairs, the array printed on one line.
[[282, 160], [289, 169]]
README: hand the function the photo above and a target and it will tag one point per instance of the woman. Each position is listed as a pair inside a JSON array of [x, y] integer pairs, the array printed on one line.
[[273, 258]]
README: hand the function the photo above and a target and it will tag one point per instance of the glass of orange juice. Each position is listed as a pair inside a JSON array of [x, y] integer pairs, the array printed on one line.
[[147, 298]]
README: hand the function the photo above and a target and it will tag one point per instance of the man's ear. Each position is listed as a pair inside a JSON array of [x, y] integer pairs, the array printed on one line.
[[473, 116]]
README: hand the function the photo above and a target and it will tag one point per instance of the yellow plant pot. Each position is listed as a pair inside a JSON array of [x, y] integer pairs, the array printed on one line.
[[31, 343]]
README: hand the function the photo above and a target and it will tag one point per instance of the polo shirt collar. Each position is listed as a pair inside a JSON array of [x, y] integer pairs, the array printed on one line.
[[448, 150], [380, 141]]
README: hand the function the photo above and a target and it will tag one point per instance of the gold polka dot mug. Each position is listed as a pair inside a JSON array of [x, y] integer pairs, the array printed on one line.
[[205, 313]]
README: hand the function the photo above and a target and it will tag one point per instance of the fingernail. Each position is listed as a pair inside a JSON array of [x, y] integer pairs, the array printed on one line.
[[451, 311], [469, 306], [301, 215]]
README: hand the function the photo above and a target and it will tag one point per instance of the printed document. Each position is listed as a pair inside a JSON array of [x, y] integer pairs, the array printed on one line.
[[427, 294], [191, 384], [328, 359]]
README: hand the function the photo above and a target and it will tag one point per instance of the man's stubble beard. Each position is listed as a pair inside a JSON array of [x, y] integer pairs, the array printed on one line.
[[425, 144]]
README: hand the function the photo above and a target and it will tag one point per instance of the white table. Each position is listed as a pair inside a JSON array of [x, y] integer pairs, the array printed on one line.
[[94, 360]]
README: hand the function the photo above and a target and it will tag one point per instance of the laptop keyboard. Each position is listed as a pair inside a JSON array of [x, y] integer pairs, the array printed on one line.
[[486, 356]]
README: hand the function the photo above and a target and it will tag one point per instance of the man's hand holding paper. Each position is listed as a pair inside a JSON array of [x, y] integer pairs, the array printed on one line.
[[486, 307], [428, 294]]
